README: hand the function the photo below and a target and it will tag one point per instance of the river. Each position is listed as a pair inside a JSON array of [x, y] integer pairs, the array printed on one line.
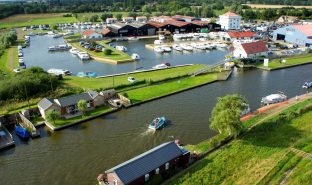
[[78, 154]]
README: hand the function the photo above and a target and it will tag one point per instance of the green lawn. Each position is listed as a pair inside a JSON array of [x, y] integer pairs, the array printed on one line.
[[290, 61], [97, 83], [161, 89], [4, 69], [84, 17], [95, 112], [262, 156], [115, 55], [38, 21]]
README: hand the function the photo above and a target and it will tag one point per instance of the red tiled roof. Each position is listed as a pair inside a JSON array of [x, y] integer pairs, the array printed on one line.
[[242, 34], [230, 14], [305, 29], [177, 23], [88, 32], [156, 24], [200, 23], [254, 47], [182, 16], [105, 31]]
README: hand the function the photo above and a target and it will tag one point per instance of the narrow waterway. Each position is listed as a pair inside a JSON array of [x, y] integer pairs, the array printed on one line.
[[78, 154]]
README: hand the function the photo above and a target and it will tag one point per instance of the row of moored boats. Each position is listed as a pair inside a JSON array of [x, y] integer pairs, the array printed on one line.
[[189, 47]]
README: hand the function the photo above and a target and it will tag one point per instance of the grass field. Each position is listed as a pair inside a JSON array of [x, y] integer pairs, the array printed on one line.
[[107, 82], [84, 17], [162, 89], [291, 61], [34, 19], [275, 6], [4, 69], [262, 156]]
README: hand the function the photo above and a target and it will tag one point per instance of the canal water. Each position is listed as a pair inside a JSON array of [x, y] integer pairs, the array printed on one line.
[[78, 154], [37, 54]]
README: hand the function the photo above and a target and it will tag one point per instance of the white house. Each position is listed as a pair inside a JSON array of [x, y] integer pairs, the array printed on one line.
[[142, 19], [230, 21], [128, 19], [91, 34], [111, 20], [250, 50]]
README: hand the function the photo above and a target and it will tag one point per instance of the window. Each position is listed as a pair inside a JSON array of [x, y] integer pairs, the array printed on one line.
[[167, 166], [157, 171], [146, 177]]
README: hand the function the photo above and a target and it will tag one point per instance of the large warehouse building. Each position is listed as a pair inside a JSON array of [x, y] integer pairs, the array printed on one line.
[[295, 34]]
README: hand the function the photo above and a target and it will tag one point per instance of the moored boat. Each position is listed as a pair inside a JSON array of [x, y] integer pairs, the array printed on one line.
[[89, 74], [160, 66], [159, 49], [157, 123], [21, 132], [307, 85], [135, 56], [74, 51], [273, 98]]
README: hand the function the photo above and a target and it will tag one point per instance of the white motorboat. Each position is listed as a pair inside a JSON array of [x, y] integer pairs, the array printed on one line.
[[121, 48], [187, 47], [159, 49], [57, 36], [133, 38], [161, 37], [177, 47], [166, 48], [83, 55], [160, 66], [52, 48], [135, 56], [74, 51], [59, 72], [158, 42], [273, 98]]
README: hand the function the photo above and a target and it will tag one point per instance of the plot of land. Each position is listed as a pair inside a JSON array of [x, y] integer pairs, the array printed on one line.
[[262, 156], [291, 61], [274, 6], [84, 17], [34, 19]]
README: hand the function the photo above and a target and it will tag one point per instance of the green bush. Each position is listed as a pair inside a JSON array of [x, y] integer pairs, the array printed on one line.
[[107, 51]]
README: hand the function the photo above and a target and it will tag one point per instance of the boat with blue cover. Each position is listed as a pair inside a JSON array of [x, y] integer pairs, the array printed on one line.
[[89, 74], [21, 132], [157, 123], [307, 85]]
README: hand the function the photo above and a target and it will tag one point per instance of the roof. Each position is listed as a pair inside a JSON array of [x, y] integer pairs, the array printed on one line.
[[118, 25], [89, 32], [146, 162], [156, 24], [242, 34], [45, 103], [128, 18], [177, 23], [182, 17], [93, 94], [254, 47], [288, 18], [200, 23], [72, 100], [141, 17], [137, 24], [306, 29], [105, 31], [230, 14]]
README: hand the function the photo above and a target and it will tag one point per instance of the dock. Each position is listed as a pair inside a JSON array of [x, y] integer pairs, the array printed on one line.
[[6, 139]]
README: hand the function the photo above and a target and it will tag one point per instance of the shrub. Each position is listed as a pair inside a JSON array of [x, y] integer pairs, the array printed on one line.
[[107, 51]]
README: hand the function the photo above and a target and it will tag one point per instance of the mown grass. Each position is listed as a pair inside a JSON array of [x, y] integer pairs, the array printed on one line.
[[108, 82], [34, 19], [161, 89], [95, 112], [85, 17], [290, 61], [262, 153], [4, 69]]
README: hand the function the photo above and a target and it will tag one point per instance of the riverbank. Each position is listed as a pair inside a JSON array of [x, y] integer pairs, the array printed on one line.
[[289, 62], [263, 154]]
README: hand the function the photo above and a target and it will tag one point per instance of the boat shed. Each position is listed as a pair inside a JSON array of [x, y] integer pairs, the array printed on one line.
[[142, 168], [122, 29], [295, 34], [143, 29]]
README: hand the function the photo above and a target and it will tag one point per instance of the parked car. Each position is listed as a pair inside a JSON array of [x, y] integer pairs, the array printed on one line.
[[131, 79]]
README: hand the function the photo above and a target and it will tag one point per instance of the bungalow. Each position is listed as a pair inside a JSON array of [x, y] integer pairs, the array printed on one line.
[[142, 168], [128, 19], [250, 50], [67, 106], [91, 34], [111, 20], [142, 19], [246, 35]]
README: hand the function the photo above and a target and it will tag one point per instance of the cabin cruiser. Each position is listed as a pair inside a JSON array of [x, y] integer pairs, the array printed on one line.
[[160, 66], [135, 56], [121, 48], [83, 55], [307, 85], [74, 51], [59, 72], [161, 37], [166, 48], [159, 49], [157, 123], [158, 42], [273, 98], [177, 47], [186, 47], [89, 74]]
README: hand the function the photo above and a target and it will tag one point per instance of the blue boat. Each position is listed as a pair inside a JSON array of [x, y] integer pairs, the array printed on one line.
[[89, 74], [157, 123], [22, 132], [307, 85]]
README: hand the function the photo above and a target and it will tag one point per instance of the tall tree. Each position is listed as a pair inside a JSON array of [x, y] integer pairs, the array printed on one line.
[[82, 105], [225, 116], [52, 115]]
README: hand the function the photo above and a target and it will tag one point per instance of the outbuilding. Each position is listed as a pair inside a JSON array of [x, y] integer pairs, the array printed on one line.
[[295, 34], [250, 50], [122, 29], [91, 34]]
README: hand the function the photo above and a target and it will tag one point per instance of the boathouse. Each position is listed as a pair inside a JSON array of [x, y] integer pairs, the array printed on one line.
[[155, 162], [295, 34], [122, 29]]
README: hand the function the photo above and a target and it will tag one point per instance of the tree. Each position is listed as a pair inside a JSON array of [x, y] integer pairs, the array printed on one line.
[[132, 14], [118, 16], [107, 51], [54, 27], [225, 116], [52, 115], [82, 105], [94, 18], [104, 16]]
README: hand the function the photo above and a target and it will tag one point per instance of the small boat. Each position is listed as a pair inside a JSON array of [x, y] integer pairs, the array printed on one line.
[[83, 55], [135, 56], [273, 98], [186, 47], [157, 123], [158, 42], [89, 74], [166, 48], [121, 48], [57, 36], [161, 37], [52, 48], [160, 66], [74, 51], [307, 85], [159, 49], [133, 38], [21, 132], [177, 47], [59, 72]]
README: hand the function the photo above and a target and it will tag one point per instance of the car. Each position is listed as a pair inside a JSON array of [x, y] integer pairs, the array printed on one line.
[[131, 79]]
